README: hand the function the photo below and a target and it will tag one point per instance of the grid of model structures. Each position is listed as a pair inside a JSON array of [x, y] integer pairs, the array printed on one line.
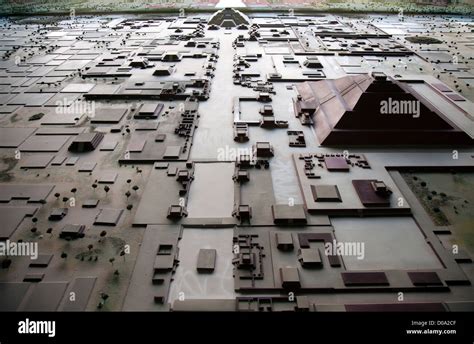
[[236, 162]]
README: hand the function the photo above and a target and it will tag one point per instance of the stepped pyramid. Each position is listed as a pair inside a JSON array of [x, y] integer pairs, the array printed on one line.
[[228, 17], [374, 110]]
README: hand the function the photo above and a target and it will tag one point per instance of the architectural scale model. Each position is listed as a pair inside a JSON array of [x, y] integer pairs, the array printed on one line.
[[215, 158]]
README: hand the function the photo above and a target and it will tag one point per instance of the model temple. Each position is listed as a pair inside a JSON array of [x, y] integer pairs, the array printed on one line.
[[374, 110], [236, 159]]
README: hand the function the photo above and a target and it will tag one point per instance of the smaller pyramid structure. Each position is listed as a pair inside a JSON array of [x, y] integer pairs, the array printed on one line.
[[228, 17]]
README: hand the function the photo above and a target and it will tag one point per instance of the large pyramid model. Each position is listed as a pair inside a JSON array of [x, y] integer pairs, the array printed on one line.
[[374, 110], [228, 17]]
